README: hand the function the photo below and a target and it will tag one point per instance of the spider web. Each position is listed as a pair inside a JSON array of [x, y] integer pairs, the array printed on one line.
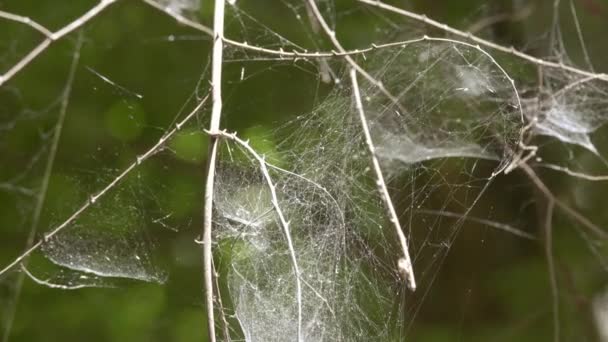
[[326, 191], [303, 242]]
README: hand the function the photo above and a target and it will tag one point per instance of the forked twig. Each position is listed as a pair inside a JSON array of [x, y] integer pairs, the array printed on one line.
[[180, 18], [552, 202], [27, 21], [332, 37], [50, 36]]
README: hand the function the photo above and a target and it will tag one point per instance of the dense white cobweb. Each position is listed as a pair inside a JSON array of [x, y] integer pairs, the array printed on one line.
[[573, 111], [113, 239], [457, 103]]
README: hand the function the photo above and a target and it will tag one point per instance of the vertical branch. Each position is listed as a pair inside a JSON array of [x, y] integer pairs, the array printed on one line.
[[405, 262], [547, 219], [216, 113], [65, 97]]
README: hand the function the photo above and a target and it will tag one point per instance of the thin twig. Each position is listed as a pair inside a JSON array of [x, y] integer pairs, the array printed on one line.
[[93, 198], [214, 126], [67, 91], [179, 18], [548, 227], [53, 37], [485, 22], [282, 220], [593, 228], [481, 41], [501, 226], [405, 263], [581, 39], [575, 174]]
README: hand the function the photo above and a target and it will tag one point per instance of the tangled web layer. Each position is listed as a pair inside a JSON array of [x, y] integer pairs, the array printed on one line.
[[572, 112], [456, 103]]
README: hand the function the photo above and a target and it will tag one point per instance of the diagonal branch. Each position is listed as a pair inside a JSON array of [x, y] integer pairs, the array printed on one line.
[[405, 263], [93, 198]]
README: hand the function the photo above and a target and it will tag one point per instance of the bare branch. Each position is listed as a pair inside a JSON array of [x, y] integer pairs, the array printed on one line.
[[332, 37]]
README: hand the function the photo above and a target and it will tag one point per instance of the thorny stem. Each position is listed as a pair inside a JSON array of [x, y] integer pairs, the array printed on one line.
[[102, 5], [214, 126], [405, 263], [45, 181], [91, 201]]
